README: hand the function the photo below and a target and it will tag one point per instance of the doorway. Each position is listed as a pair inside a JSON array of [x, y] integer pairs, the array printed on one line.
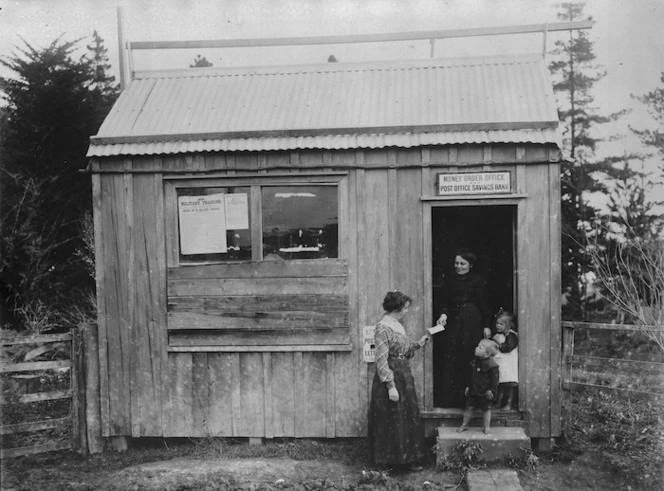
[[488, 231]]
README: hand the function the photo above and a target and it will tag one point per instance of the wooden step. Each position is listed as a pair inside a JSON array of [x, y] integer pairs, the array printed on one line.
[[503, 441], [453, 417], [493, 480]]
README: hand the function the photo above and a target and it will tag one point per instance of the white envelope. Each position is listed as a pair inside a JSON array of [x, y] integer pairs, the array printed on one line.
[[436, 329]]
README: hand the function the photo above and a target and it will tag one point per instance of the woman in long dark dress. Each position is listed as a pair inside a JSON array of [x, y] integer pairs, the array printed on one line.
[[396, 433], [466, 311]]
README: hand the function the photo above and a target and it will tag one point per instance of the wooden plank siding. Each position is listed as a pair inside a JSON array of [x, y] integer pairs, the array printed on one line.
[[256, 349], [536, 367], [259, 303], [148, 336], [115, 346]]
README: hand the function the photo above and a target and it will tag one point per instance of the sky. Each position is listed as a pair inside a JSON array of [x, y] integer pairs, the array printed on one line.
[[627, 36]]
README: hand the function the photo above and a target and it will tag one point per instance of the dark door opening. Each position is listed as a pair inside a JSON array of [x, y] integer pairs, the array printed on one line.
[[489, 232]]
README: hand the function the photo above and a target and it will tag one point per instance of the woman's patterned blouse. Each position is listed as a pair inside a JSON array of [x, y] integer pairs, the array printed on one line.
[[390, 343]]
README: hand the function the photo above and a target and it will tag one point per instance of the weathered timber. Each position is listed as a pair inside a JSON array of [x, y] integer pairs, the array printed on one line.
[[252, 286], [256, 303], [257, 338], [256, 320], [259, 269]]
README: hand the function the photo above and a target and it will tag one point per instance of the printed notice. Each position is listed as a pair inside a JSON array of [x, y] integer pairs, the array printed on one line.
[[202, 224], [237, 211], [474, 183], [369, 345]]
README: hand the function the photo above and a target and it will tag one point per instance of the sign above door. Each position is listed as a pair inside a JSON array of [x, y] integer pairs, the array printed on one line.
[[474, 183]]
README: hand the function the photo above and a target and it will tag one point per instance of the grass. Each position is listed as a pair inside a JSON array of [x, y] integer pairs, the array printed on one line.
[[627, 433]]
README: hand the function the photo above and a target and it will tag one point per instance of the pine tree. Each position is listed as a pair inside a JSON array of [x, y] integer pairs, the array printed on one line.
[[100, 66], [200, 62], [632, 213], [576, 73], [53, 105], [654, 102]]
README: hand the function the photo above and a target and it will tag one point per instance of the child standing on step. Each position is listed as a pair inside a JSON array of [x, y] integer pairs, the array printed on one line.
[[483, 384], [508, 360]]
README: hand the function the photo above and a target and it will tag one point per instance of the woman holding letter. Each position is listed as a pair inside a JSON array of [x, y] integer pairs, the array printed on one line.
[[396, 432]]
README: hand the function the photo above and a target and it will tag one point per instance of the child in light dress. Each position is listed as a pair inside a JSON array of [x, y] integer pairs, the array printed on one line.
[[508, 360]]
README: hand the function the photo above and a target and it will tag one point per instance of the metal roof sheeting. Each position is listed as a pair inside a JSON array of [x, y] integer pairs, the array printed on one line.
[[330, 142], [332, 106]]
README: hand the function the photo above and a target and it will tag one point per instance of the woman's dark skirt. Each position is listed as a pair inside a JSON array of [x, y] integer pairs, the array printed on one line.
[[396, 433], [463, 331]]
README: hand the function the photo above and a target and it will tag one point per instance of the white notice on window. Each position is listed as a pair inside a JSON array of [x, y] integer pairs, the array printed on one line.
[[237, 211], [202, 224]]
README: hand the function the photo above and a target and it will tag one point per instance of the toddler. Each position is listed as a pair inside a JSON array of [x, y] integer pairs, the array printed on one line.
[[483, 384], [508, 360]]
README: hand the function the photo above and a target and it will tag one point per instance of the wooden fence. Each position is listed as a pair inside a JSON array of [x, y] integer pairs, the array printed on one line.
[[628, 377], [18, 393]]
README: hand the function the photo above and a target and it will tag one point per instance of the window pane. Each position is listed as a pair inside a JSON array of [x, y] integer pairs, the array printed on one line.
[[214, 224], [300, 222]]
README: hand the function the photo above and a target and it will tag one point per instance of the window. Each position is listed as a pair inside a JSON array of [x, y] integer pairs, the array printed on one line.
[[214, 224], [300, 222], [254, 263], [215, 221]]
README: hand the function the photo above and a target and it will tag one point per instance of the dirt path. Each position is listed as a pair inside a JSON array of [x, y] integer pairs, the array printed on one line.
[[279, 473], [583, 472]]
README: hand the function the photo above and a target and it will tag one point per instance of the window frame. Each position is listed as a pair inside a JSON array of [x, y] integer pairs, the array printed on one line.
[[255, 184]]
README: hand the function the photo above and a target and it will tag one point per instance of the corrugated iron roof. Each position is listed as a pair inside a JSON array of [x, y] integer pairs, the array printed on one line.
[[332, 106], [330, 142]]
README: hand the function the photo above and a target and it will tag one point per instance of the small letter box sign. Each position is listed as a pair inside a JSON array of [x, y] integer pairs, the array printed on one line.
[[474, 183], [369, 346]]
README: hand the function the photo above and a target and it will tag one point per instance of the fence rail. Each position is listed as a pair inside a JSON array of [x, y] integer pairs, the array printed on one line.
[[633, 377], [27, 370]]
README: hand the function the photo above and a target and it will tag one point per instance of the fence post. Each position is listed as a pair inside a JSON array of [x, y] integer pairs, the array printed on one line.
[[568, 351], [75, 390], [81, 389], [92, 402]]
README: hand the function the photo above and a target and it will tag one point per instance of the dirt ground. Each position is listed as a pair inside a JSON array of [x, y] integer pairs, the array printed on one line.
[[137, 470]]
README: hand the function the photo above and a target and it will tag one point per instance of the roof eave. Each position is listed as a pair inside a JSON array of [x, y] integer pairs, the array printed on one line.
[[294, 133]]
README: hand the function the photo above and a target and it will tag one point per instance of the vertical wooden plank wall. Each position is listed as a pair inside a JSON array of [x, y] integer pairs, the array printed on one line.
[[147, 391], [406, 260], [555, 294], [535, 299], [348, 392], [148, 346], [114, 340], [373, 249]]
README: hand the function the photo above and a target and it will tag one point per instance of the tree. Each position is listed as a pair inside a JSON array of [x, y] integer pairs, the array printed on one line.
[[53, 105], [200, 62], [575, 73], [101, 82], [631, 275], [654, 102], [632, 214]]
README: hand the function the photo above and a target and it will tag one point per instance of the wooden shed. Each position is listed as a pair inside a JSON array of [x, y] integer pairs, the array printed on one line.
[[248, 222]]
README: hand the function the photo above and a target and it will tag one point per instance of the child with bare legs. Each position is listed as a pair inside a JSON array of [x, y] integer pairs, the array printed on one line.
[[483, 384], [508, 360]]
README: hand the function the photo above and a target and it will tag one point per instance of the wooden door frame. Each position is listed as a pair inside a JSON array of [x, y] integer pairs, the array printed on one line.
[[428, 204]]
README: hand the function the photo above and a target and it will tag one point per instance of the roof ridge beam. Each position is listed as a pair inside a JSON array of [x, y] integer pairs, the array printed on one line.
[[362, 38]]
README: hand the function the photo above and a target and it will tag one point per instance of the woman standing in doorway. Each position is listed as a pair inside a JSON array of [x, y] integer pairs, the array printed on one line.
[[396, 433], [465, 308]]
